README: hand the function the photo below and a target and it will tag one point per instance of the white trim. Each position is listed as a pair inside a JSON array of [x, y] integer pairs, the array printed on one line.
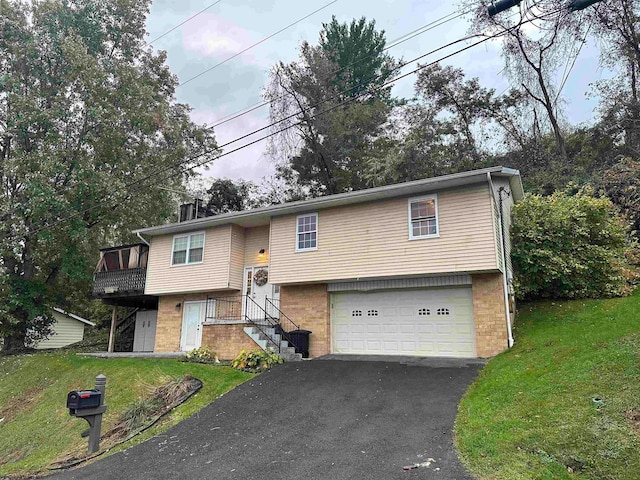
[[186, 259], [433, 197], [510, 340], [244, 281], [261, 216], [75, 317], [141, 238], [398, 283], [310, 249]]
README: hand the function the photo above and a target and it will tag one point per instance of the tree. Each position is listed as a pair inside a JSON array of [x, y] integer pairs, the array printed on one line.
[[329, 139], [228, 196], [448, 128], [617, 27], [533, 55], [621, 184], [85, 111]]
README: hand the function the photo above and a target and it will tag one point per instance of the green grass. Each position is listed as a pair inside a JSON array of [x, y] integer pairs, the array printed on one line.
[[37, 429], [532, 414]]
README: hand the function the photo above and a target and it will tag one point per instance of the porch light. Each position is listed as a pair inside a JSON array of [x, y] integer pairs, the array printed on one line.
[[261, 252]]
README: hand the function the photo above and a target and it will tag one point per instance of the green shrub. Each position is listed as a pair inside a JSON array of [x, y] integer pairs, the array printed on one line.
[[568, 246], [201, 355], [256, 360]]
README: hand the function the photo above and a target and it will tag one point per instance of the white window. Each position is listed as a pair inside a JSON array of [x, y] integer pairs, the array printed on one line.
[[307, 232], [187, 249], [423, 217]]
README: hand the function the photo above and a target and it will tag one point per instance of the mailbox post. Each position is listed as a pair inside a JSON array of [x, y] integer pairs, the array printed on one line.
[[89, 405]]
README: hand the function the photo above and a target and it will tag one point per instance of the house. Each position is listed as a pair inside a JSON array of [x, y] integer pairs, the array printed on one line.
[[417, 268], [67, 329]]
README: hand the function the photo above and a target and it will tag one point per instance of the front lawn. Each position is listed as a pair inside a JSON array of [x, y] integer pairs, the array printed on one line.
[[564, 402], [37, 430]]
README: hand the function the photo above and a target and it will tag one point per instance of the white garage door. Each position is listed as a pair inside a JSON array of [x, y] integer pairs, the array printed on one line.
[[433, 322]]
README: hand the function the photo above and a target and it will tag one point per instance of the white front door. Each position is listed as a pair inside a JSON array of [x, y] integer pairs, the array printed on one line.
[[192, 318], [257, 289]]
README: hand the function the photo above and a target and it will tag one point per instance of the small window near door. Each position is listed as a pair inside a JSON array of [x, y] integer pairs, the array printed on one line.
[[249, 274], [187, 249], [424, 311], [443, 311], [356, 313], [307, 232], [423, 218], [372, 313]]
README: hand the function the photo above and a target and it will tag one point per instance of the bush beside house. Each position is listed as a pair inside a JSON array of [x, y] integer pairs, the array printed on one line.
[[569, 246]]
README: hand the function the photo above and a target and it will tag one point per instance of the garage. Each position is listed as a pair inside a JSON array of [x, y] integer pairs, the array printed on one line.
[[421, 322]]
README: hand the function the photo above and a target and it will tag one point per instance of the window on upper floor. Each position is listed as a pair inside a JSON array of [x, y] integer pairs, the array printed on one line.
[[307, 232], [423, 217], [187, 249]]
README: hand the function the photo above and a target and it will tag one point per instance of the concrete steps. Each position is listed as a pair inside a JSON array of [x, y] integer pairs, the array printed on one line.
[[268, 338]]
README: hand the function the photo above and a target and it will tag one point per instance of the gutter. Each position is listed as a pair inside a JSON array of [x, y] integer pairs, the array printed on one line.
[[341, 199], [505, 286], [143, 240]]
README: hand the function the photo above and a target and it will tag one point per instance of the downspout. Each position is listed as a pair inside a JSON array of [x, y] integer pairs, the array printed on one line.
[[143, 240], [505, 286]]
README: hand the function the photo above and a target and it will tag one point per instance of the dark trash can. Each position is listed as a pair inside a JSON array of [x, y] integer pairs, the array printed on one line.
[[300, 340]]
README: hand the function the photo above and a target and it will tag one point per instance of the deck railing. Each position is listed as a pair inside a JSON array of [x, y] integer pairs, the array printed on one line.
[[130, 281]]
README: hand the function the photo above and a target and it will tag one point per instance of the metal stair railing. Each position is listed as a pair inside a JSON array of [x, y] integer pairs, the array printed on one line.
[[285, 322], [258, 317], [243, 308]]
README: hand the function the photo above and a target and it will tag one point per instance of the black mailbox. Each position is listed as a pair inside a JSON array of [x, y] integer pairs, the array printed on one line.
[[79, 399]]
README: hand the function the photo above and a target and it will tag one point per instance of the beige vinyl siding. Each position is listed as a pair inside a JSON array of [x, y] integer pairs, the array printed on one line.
[[256, 239], [372, 240], [236, 262], [211, 274], [66, 331]]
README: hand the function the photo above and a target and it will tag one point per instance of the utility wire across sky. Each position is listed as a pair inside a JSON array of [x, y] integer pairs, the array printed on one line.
[[140, 183]]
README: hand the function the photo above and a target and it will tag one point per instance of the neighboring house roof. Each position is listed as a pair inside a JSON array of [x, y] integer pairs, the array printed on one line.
[[260, 216], [75, 317]]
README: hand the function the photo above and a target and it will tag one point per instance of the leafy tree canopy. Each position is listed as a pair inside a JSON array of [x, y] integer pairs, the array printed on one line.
[[334, 100], [228, 196], [86, 110]]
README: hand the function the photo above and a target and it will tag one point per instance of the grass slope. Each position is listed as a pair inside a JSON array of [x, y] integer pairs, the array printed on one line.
[[534, 411], [37, 428]]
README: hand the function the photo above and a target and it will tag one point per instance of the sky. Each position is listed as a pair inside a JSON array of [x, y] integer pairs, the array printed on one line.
[[230, 26]]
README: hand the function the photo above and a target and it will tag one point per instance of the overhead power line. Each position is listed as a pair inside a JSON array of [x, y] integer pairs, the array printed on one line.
[[404, 38], [573, 63], [256, 44], [399, 40], [183, 22], [199, 164]]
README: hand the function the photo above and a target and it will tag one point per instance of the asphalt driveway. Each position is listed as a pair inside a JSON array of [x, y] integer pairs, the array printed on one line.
[[323, 419]]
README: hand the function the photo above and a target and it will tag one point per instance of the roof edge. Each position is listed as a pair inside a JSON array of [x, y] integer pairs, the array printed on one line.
[[75, 317], [340, 199]]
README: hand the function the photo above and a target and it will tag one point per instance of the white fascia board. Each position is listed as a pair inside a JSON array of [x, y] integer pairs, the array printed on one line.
[[75, 317], [262, 216]]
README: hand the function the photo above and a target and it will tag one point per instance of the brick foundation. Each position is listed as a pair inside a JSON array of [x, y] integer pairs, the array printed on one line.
[[489, 314], [308, 306], [169, 326], [227, 340]]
